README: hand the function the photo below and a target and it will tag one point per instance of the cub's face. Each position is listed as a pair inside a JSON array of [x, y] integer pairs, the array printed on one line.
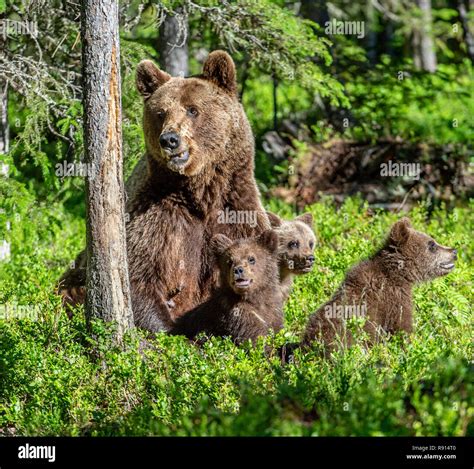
[[247, 265], [296, 243], [188, 121], [422, 257]]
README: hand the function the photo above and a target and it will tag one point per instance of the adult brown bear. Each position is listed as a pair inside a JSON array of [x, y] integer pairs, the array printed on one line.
[[380, 288], [200, 182]]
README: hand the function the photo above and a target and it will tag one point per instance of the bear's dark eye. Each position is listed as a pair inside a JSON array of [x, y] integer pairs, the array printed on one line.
[[160, 113], [311, 245], [293, 244], [432, 246], [252, 260], [192, 111]]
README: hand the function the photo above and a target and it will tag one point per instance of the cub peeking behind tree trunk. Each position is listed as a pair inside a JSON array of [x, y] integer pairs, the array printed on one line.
[[296, 242]]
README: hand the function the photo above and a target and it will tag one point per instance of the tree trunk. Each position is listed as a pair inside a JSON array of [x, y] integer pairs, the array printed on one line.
[[107, 284], [462, 7], [427, 56], [315, 10], [416, 49], [371, 32], [173, 44], [275, 104], [4, 127], [387, 37]]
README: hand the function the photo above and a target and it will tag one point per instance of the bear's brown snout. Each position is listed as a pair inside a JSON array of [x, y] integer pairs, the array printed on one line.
[[448, 260], [170, 141], [241, 278]]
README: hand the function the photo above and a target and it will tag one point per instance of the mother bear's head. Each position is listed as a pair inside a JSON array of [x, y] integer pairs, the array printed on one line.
[[196, 122]]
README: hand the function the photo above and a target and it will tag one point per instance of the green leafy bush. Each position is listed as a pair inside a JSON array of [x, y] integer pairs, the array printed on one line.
[[393, 101], [58, 378]]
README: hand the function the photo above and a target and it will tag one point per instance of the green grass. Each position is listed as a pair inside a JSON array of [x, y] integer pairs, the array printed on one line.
[[57, 380]]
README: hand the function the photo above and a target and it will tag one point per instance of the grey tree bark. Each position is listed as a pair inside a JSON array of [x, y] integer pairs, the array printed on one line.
[[173, 43], [387, 37], [416, 49], [107, 284], [425, 56], [4, 126], [371, 40], [463, 8]]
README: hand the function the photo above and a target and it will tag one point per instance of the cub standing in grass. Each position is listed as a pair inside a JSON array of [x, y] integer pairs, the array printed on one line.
[[200, 157], [248, 303], [381, 287], [296, 242]]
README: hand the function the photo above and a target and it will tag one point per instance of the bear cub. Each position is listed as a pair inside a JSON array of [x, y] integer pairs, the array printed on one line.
[[380, 288], [247, 303], [296, 242]]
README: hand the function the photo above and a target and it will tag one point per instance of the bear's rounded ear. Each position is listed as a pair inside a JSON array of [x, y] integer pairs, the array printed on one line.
[[269, 240], [275, 220], [220, 69], [149, 77], [219, 243], [400, 231], [306, 218]]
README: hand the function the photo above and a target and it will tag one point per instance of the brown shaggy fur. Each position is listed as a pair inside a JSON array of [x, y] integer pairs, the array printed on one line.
[[381, 287], [295, 248], [176, 211], [248, 303]]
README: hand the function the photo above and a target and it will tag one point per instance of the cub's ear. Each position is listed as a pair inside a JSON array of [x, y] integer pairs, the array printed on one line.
[[149, 77], [220, 69], [306, 218], [219, 243], [269, 240], [400, 231], [275, 220]]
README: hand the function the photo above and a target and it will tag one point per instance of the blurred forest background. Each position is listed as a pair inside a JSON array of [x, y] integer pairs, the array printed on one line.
[[332, 90]]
